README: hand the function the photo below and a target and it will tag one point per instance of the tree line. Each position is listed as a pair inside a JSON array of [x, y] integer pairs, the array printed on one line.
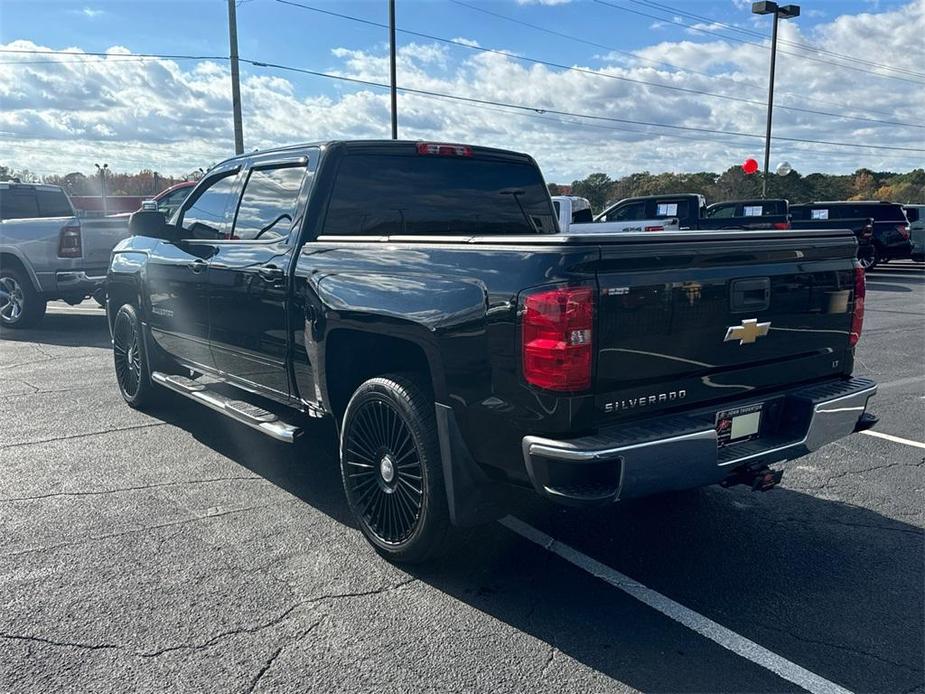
[[735, 184], [143, 183]]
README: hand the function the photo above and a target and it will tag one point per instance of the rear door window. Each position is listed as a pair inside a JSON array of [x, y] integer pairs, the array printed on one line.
[[53, 203], [268, 205], [385, 195], [18, 203]]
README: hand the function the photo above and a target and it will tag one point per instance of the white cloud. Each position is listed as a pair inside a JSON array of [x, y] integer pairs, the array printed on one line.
[[175, 117], [88, 12], [543, 2]]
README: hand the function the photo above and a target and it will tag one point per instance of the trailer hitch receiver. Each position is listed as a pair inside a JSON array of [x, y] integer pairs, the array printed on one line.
[[760, 479]]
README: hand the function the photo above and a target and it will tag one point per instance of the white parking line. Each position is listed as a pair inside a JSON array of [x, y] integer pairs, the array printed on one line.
[[692, 620], [894, 439]]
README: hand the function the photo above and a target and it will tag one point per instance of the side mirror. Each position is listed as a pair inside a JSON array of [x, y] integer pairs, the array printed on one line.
[[151, 223]]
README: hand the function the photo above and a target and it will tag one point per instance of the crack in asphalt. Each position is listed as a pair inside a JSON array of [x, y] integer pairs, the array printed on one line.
[[145, 528], [47, 391], [551, 657], [272, 659], [84, 435], [155, 485], [849, 473], [215, 639], [66, 644], [849, 649], [7, 367]]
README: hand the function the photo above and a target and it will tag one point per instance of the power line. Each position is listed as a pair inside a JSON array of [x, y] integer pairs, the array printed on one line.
[[488, 102], [578, 39], [543, 110], [159, 56], [752, 43], [749, 32], [594, 73], [673, 136]]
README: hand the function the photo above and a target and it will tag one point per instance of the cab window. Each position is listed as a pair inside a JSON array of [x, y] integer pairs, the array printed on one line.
[[205, 217], [628, 213]]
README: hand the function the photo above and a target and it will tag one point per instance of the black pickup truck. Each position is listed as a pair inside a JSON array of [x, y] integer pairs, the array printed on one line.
[[420, 295], [889, 234]]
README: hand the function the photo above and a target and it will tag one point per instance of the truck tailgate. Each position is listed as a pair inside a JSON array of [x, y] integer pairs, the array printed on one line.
[[99, 236], [699, 317]]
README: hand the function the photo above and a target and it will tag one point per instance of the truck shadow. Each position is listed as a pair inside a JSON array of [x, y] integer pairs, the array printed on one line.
[[64, 330], [833, 587]]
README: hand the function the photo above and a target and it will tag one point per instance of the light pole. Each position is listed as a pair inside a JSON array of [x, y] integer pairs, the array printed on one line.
[[103, 169], [785, 12]]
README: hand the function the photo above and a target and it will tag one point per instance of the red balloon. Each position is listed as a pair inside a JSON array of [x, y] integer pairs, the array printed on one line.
[[750, 166]]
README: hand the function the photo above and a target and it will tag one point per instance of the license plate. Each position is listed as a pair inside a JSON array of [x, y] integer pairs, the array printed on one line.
[[739, 424]]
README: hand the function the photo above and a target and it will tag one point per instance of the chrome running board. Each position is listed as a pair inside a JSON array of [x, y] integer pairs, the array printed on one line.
[[241, 411]]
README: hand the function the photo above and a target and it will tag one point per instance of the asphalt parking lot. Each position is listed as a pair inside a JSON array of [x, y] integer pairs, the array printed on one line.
[[179, 551]]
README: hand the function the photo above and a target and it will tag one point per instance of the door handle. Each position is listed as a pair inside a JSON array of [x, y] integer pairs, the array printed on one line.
[[270, 272], [197, 265]]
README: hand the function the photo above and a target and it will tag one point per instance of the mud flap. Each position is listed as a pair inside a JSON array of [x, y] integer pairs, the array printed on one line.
[[473, 498]]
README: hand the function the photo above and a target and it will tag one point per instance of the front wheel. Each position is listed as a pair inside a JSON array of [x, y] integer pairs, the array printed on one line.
[[130, 359], [391, 470]]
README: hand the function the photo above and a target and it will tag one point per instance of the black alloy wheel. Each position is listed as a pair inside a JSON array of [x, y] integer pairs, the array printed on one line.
[[390, 464], [129, 358]]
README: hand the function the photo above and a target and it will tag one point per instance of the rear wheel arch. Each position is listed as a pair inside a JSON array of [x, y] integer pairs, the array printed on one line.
[[352, 357], [12, 260]]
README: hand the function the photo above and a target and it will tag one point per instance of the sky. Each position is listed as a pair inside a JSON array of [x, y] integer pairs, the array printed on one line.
[[583, 85]]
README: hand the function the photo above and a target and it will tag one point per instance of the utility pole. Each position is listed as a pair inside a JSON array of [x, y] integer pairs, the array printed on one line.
[[102, 169], [785, 12], [235, 79], [394, 88]]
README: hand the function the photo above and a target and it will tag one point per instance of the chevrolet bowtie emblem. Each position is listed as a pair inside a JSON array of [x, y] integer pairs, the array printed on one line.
[[748, 332]]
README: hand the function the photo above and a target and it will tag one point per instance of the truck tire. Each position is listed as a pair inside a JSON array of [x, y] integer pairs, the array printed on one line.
[[20, 305], [391, 469], [130, 360], [869, 257]]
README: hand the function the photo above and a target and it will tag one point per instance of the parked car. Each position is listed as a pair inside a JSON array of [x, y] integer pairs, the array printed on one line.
[[170, 199], [748, 209], [916, 216], [682, 212], [47, 252], [890, 226], [419, 295]]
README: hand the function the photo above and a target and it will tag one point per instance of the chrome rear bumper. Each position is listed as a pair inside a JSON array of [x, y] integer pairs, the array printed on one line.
[[681, 451]]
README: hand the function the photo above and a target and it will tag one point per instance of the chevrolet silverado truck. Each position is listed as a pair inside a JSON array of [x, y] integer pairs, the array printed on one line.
[[420, 295], [48, 253]]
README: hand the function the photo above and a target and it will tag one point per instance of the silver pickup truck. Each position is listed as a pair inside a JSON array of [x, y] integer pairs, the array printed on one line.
[[47, 252]]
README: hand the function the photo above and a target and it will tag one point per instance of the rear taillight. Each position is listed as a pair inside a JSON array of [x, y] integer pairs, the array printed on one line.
[[69, 242], [654, 228], [903, 231], [444, 150], [783, 226], [857, 317], [558, 338]]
